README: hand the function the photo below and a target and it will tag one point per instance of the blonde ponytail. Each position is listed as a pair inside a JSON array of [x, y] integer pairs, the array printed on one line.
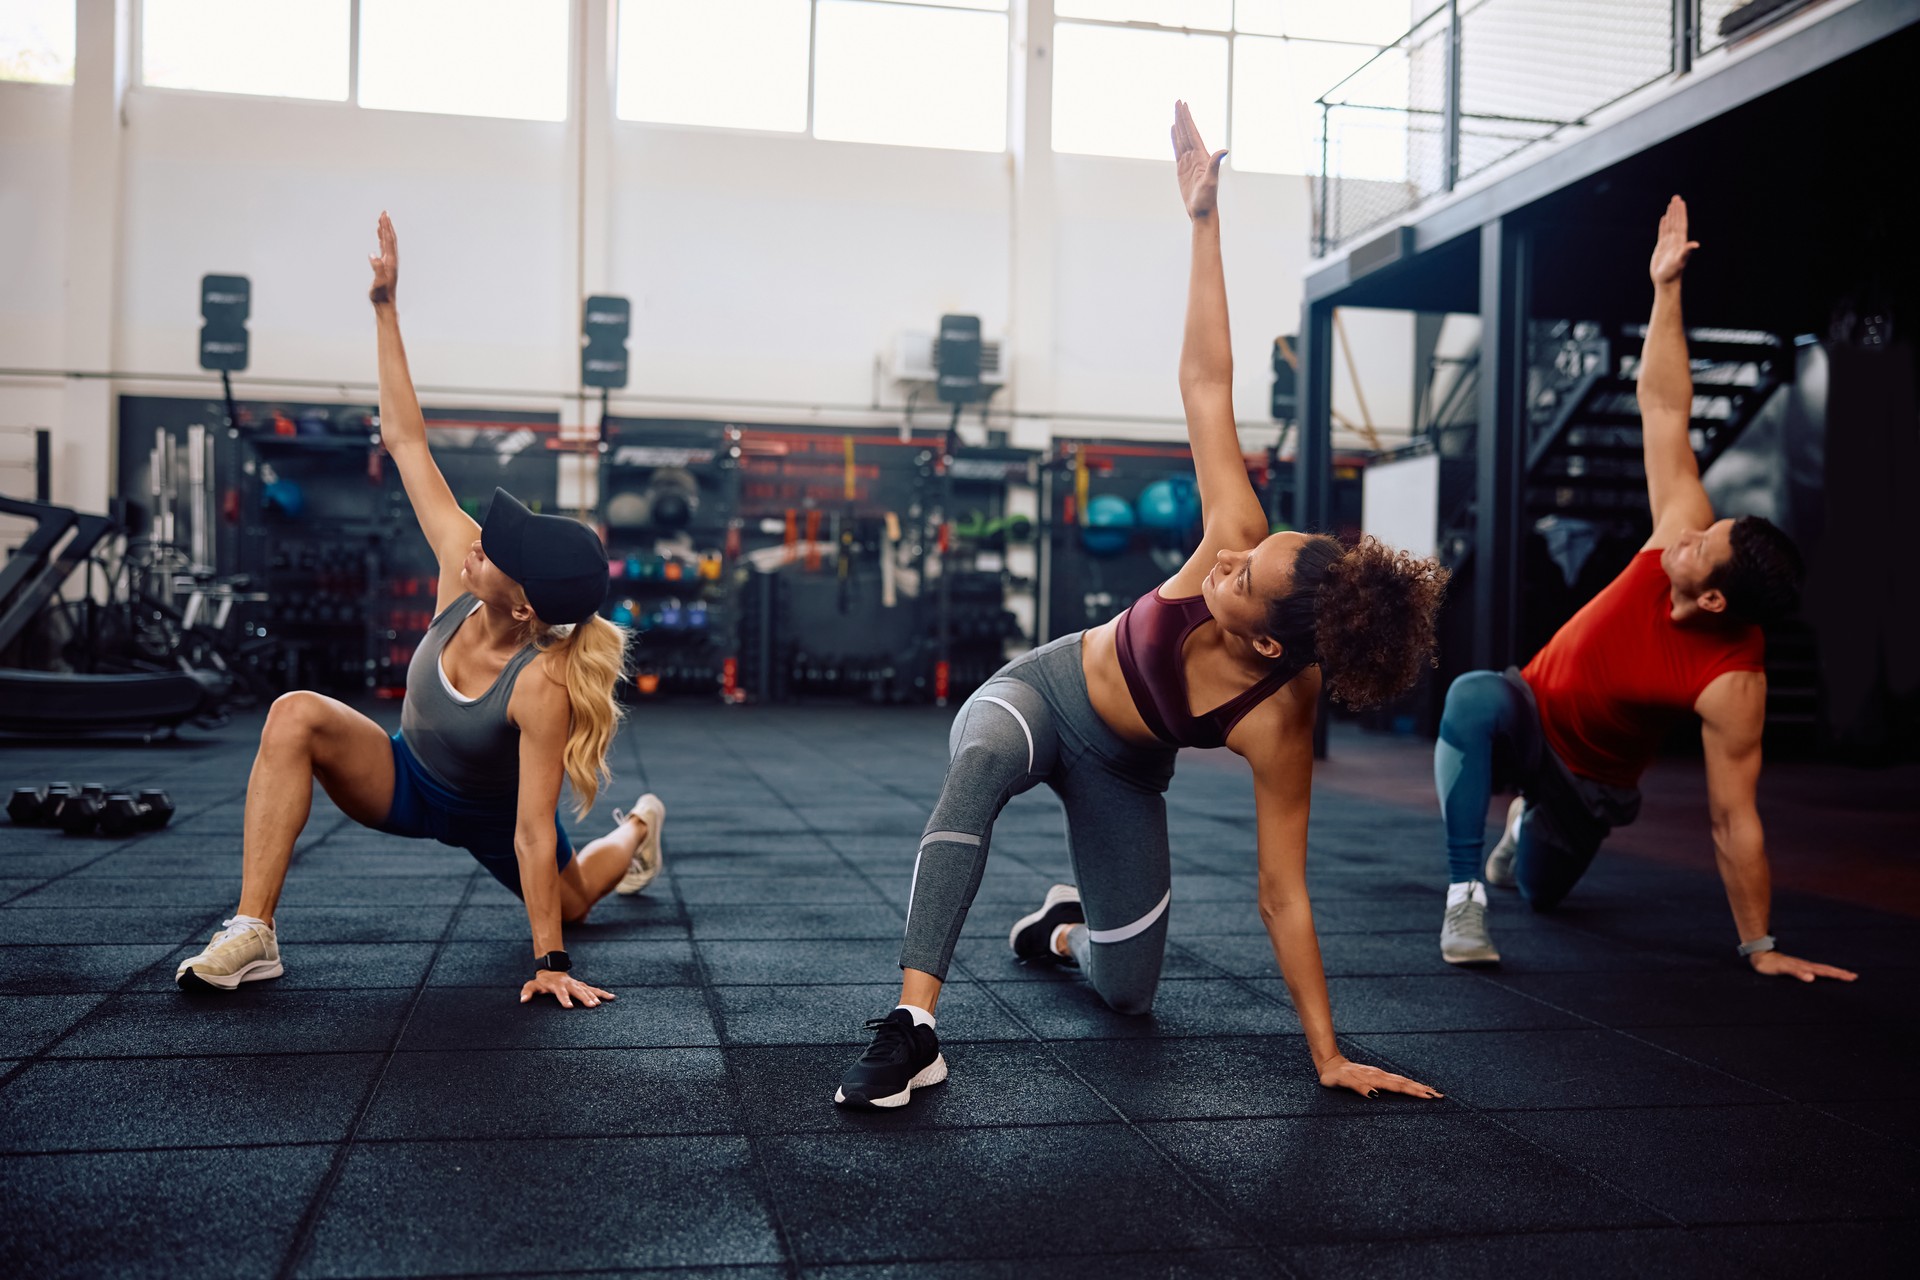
[[596, 655]]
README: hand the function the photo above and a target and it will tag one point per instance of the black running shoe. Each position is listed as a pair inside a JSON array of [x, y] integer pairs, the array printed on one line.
[[903, 1057], [1032, 935]]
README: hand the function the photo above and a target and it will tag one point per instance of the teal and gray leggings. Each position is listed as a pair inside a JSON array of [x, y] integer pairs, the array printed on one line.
[[1033, 723]]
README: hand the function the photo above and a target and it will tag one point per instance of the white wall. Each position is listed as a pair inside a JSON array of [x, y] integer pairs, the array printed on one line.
[[33, 250], [768, 273]]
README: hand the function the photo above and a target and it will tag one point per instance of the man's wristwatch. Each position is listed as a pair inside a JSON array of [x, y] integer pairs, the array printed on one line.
[[1754, 948], [554, 960]]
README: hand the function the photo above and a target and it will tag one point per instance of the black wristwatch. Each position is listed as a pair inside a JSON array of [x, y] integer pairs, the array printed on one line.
[[554, 960]]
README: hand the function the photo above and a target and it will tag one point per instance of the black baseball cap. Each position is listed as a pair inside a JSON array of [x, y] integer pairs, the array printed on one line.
[[560, 563]]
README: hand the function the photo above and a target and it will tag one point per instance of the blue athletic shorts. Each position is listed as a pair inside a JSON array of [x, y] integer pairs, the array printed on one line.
[[423, 809]]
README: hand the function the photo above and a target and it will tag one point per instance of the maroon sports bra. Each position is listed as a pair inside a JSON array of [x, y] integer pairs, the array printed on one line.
[[1151, 641]]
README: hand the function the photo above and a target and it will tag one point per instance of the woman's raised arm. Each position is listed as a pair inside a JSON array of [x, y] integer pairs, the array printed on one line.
[[1228, 505], [403, 429]]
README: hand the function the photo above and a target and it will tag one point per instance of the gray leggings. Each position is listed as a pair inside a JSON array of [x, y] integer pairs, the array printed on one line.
[[1033, 723]]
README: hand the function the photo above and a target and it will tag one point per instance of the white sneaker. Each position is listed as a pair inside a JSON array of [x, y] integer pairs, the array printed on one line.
[[244, 951], [1499, 870], [648, 857], [1463, 934]]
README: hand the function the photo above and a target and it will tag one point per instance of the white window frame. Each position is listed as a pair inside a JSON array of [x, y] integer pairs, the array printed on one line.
[[813, 35], [136, 48], [1233, 33]]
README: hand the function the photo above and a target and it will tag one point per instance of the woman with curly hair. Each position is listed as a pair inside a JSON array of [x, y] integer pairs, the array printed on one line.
[[1232, 651]]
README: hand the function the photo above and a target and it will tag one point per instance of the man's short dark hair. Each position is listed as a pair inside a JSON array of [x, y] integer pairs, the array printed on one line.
[[1761, 579]]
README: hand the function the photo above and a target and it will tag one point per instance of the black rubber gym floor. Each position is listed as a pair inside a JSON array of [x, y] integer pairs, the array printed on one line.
[[1623, 1097]]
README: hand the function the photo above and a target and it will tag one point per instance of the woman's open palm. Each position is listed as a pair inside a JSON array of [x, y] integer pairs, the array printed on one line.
[[386, 263], [1198, 171]]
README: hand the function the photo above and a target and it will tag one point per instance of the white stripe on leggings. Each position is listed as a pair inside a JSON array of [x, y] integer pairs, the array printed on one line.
[[1002, 702], [951, 837], [1138, 927]]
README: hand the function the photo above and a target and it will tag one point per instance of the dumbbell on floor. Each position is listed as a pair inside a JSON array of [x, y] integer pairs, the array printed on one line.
[[77, 813], [33, 806], [126, 813]]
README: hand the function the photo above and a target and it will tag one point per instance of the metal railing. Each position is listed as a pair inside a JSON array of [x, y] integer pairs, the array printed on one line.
[[1476, 82]]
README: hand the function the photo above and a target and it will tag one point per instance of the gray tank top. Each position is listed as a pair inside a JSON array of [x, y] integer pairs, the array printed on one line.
[[468, 747]]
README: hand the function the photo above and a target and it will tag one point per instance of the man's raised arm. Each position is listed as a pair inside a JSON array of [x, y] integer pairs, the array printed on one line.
[[1666, 392]]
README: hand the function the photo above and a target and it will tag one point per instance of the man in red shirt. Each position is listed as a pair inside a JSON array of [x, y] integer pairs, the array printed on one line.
[[1677, 632]]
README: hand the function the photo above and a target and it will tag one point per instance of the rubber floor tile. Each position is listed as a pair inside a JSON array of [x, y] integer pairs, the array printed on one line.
[[990, 959], [297, 922], [1897, 1119], [803, 922], [1003, 1193], [1716, 995], [1453, 1001], [29, 1024], [689, 866], [1710, 1253], [761, 890], [320, 966], [472, 1018], [253, 1020], [537, 1093], [837, 1014], [655, 962], [1291, 1181], [57, 926], [1188, 1007], [72, 969], [175, 1215], [210, 893], [1793, 1064], [824, 961], [789, 1089], [1736, 1164], [1206, 1078], [436, 1208], [1525, 1069], [59, 1104], [1198, 1264], [486, 918]]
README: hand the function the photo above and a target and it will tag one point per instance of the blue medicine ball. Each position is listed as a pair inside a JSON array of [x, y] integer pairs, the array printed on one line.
[[285, 497], [1173, 503], [1109, 525]]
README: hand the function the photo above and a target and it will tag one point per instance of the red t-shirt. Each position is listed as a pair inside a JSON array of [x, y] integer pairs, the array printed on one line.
[[1613, 679]]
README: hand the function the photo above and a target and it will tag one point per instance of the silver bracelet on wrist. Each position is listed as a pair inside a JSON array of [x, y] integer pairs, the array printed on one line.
[[1758, 945]]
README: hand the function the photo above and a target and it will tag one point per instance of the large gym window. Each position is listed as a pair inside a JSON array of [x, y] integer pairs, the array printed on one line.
[[923, 73], [504, 58], [735, 64], [910, 75], [1119, 65], [289, 49], [1114, 88], [36, 41]]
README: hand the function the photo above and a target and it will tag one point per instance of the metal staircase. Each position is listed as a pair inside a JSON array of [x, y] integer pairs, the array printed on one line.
[[1583, 457], [1584, 472]]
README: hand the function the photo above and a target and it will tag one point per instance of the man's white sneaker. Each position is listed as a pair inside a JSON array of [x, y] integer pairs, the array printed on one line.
[[648, 857], [1499, 868], [244, 951], [1463, 934]]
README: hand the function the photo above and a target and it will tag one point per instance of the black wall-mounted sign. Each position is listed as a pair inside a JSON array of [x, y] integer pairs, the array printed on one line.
[[1286, 379], [957, 356], [603, 343], [224, 304]]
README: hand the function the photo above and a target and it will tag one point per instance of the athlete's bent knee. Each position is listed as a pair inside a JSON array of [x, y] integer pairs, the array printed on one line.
[[293, 718]]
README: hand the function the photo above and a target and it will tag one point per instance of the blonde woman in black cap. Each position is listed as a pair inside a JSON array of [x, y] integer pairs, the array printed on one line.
[[510, 693]]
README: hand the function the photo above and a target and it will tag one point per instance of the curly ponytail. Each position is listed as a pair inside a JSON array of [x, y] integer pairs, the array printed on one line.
[[596, 654], [1365, 615]]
